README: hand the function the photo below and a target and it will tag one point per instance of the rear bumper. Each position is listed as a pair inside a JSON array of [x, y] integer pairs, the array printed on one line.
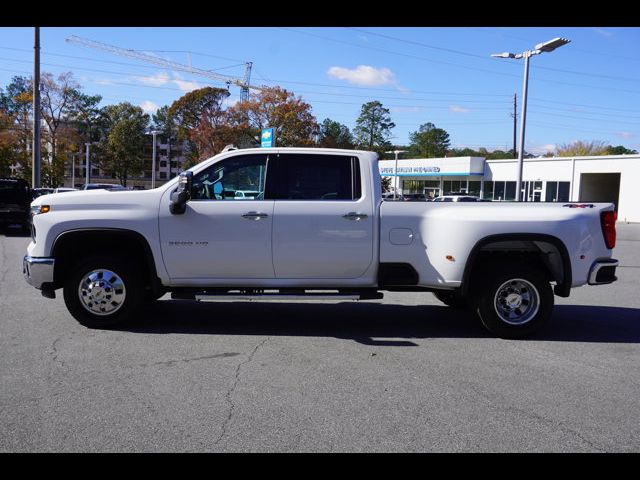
[[603, 272], [37, 271]]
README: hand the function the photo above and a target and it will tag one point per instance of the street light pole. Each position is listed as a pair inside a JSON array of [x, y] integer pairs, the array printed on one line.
[[73, 170], [523, 122], [549, 46], [395, 171], [88, 165], [153, 161]]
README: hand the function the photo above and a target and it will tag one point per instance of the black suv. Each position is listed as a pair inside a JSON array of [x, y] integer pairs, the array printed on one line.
[[15, 200]]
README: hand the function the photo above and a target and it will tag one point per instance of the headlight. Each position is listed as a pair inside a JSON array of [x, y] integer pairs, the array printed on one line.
[[38, 209]]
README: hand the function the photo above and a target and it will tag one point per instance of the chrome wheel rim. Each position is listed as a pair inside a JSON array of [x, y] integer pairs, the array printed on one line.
[[516, 301], [102, 292]]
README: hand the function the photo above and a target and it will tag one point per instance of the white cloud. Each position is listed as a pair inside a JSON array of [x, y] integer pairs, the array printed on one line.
[[407, 109], [157, 80], [364, 75], [163, 78], [603, 32], [186, 86], [149, 107], [458, 109], [625, 135], [104, 81], [542, 149]]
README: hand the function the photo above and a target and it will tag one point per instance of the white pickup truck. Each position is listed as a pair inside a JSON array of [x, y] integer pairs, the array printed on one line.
[[315, 227]]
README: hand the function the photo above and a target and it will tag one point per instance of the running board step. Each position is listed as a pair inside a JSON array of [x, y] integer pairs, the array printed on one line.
[[275, 297]]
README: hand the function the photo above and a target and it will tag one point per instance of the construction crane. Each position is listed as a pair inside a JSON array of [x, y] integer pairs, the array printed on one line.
[[242, 83]]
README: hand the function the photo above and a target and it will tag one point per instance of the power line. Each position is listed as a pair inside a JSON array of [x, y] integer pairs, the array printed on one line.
[[493, 72], [484, 57]]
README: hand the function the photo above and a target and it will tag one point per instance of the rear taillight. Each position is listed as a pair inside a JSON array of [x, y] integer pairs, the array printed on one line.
[[608, 222]]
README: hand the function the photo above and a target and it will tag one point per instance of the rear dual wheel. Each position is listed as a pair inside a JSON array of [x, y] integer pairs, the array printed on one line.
[[515, 302]]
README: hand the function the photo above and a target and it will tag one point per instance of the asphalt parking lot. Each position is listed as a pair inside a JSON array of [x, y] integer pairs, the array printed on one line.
[[405, 374]]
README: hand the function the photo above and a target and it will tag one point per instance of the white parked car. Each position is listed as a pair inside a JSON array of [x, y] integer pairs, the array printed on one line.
[[320, 230], [457, 198]]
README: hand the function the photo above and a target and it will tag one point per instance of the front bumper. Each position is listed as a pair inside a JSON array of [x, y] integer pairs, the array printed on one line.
[[603, 272], [37, 271]]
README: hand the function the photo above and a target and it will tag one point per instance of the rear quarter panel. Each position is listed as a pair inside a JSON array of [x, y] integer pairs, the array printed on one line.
[[453, 229]]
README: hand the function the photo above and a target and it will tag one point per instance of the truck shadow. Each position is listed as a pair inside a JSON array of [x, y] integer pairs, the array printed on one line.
[[374, 324]]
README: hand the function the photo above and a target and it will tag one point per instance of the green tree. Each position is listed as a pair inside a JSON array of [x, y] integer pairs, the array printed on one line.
[[335, 135], [168, 129], [120, 151], [373, 127], [500, 154], [429, 141], [620, 150]]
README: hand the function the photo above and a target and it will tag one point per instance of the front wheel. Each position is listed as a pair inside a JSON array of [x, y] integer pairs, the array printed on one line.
[[515, 302], [102, 291]]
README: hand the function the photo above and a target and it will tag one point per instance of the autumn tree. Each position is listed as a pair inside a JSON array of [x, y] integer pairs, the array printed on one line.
[[373, 127], [120, 151], [8, 143], [335, 135], [277, 108], [16, 101], [202, 119], [429, 141], [581, 148]]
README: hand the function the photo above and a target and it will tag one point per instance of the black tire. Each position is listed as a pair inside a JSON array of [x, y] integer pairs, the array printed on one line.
[[451, 299], [103, 293], [515, 301]]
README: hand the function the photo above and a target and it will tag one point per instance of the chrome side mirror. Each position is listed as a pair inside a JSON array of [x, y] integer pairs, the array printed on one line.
[[182, 194]]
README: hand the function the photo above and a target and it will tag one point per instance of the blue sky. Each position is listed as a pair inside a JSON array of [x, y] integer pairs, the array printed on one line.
[[586, 90]]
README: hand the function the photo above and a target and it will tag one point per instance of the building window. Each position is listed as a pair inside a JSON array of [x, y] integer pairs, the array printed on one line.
[[163, 175], [163, 164], [557, 191], [510, 191], [454, 186], [474, 188], [551, 192], [563, 191], [488, 191]]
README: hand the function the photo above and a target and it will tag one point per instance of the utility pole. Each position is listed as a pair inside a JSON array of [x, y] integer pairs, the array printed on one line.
[[35, 150]]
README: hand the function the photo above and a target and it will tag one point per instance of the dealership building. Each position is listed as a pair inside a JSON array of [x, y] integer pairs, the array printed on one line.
[[610, 178]]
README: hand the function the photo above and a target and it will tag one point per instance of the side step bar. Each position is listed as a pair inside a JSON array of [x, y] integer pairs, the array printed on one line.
[[275, 297]]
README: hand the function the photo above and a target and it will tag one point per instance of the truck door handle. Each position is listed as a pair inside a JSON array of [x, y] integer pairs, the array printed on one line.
[[254, 215], [354, 216]]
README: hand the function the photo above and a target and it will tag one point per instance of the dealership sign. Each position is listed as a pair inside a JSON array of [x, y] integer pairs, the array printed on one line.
[[418, 170]]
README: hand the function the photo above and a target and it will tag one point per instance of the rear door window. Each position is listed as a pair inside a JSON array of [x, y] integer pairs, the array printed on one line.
[[317, 177]]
